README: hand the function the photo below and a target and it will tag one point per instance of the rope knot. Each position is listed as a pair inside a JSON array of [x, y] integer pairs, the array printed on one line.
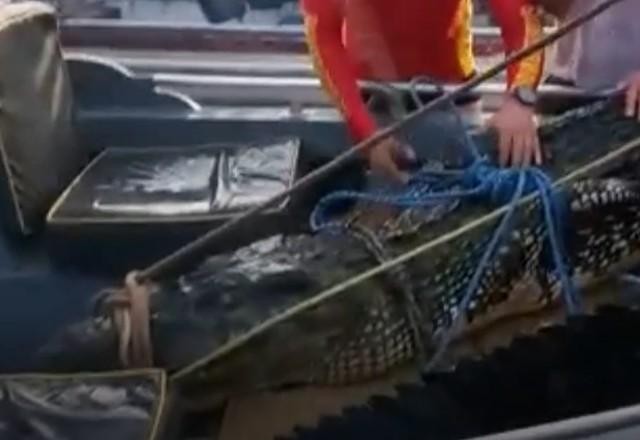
[[129, 311], [500, 184]]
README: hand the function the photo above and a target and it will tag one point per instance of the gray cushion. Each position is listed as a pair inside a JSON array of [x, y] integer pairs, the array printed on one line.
[[38, 154], [131, 206]]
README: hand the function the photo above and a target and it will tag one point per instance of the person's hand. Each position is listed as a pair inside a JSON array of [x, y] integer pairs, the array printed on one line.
[[632, 84], [518, 136], [385, 157]]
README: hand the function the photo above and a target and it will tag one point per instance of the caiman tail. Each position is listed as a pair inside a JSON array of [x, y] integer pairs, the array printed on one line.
[[253, 319]]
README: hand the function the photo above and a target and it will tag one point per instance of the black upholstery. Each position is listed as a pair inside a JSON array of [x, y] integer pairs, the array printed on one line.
[[137, 204]]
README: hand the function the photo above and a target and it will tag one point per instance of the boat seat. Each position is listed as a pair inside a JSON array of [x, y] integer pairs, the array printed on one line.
[[137, 204], [39, 155], [123, 405], [127, 206]]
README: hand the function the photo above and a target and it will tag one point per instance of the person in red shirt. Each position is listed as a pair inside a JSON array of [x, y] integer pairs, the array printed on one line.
[[385, 40]]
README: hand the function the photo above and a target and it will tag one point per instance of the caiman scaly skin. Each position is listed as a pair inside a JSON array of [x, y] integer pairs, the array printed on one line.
[[227, 315]]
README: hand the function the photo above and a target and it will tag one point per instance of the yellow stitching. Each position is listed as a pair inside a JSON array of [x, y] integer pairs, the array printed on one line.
[[310, 25], [464, 37], [530, 69]]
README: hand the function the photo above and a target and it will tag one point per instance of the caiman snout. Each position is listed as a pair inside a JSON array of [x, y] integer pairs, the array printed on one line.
[[90, 345]]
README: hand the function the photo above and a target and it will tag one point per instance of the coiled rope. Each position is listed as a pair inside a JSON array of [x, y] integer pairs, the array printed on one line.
[[481, 180]]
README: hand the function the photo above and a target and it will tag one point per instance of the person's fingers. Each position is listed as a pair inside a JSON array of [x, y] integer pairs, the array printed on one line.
[[525, 146], [522, 150], [533, 152], [402, 177], [392, 171], [504, 148], [637, 103], [408, 153], [537, 149], [518, 150], [382, 163], [515, 150], [379, 168], [391, 163], [631, 100], [403, 154]]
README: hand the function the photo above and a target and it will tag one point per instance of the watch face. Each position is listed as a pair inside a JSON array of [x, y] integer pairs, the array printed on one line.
[[526, 95]]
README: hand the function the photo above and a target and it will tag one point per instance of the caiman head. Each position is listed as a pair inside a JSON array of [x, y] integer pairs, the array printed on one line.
[[184, 314], [89, 345]]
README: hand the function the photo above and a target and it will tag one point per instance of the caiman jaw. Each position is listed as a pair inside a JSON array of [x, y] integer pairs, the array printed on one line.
[[94, 343]]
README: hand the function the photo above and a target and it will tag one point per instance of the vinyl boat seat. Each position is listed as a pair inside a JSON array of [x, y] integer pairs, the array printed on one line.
[[123, 405], [130, 205]]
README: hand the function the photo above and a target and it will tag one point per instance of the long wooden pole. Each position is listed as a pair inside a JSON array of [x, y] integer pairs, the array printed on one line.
[[199, 247]]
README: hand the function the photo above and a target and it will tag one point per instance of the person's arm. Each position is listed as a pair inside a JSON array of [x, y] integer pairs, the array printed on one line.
[[515, 120], [520, 25], [632, 84], [323, 21]]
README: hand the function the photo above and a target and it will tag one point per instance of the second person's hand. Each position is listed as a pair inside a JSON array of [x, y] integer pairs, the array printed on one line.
[[519, 145], [386, 156]]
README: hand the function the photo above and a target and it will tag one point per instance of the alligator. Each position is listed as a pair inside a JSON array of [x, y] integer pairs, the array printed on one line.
[[253, 318]]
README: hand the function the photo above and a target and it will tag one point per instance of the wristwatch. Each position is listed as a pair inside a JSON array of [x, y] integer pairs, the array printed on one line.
[[525, 95]]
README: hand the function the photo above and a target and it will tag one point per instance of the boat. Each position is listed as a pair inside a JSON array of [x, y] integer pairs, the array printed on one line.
[[114, 204], [190, 37], [213, 62]]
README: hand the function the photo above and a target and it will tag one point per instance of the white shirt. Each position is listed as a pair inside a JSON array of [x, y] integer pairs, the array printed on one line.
[[602, 52]]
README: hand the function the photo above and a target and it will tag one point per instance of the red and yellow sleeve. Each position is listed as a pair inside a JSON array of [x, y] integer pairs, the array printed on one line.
[[521, 25], [323, 21]]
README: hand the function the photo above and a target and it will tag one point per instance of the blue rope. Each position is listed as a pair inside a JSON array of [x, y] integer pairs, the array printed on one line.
[[481, 180]]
